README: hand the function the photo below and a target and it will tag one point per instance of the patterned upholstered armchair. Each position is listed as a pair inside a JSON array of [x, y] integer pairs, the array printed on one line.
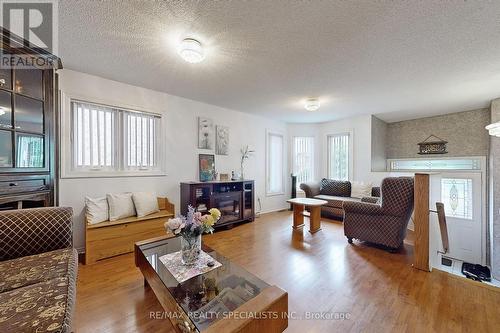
[[384, 222], [38, 269], [32, 231]]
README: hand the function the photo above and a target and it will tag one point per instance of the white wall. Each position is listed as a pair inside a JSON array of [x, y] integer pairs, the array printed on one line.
[[180, 144]]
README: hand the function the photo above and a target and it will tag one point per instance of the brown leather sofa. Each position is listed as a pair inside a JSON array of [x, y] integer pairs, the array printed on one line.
[[335, 192], [383, 223], [38, 269]]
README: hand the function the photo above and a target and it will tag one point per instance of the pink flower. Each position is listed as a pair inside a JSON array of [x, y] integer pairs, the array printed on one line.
[[176, 225]]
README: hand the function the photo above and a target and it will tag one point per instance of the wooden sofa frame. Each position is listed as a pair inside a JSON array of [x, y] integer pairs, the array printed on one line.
[[111, 238]]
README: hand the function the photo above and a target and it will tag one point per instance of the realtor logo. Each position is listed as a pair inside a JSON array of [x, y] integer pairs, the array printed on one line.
[[35, 22]]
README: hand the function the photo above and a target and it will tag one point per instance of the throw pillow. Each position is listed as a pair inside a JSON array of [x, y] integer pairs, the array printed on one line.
[[339, 188], [360, 190], [96, 210], [145, 203], [120, 206]]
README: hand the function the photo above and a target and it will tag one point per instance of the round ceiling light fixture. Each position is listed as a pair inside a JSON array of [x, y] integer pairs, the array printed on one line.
[[312, 104], [191, 50]]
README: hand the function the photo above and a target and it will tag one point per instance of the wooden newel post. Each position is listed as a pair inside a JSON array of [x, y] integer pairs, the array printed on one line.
[[421, 220]]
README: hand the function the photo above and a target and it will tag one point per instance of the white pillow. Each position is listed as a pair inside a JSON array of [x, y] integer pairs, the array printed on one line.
[[120, 206], [145, 203], [360, 190], [97, 210]]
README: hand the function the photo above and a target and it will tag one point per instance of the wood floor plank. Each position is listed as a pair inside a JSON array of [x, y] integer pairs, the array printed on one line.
[[379, 291]]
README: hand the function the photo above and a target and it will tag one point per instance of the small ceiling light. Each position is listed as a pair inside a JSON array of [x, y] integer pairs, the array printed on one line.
[[312, 104], [2, 111], [494, 129], [191, 51]]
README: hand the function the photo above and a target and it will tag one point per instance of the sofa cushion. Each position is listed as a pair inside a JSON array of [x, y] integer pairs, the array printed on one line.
[[24, 271], [360, 190], [335, 201], [42, 307], [335, 187]]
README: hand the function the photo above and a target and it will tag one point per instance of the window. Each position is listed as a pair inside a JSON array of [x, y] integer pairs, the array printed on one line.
[[275, 176], [303, 159], [435, 164], [339, 156], [456, 195], [106, 138], [141, 142], [94, 130]]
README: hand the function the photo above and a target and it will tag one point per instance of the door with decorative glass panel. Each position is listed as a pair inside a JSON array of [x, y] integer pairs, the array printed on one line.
[[461, 195]]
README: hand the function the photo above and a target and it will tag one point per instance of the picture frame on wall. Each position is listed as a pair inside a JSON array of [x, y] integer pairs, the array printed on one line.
[[206, 167], [205, 133], [221, 140]]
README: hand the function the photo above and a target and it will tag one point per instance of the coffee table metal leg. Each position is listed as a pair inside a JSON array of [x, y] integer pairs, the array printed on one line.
[[298, 216], [315, 219]]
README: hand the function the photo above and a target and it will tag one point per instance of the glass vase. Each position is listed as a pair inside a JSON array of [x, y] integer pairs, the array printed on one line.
[[190, 249]]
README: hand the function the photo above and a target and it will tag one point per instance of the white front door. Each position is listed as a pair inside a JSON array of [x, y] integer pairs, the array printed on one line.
[[461, 194]]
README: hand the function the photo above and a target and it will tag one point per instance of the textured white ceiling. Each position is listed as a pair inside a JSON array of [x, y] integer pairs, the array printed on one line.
[[397, 59]]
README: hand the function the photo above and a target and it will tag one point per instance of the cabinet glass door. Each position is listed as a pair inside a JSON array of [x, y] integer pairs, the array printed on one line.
[[29, 82], [28, 114], [5, 149], [29, 151], [5, 110], [248, 200], [6, 78]]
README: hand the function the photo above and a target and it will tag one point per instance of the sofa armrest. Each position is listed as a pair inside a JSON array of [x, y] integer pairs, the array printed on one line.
[[361, 208], [311, 189], [372, 200], [31, 231]]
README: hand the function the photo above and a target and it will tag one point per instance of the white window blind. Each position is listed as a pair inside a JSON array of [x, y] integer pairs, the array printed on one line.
[[94, 128], [338, 156], [140, 140], [303, 159], [113, 139], [275, 181]]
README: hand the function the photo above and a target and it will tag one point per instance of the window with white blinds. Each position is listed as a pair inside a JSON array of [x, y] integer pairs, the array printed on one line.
[[303, 159], [140, 134], [275, 162], [106, 138], [339, 156], [94, 128]]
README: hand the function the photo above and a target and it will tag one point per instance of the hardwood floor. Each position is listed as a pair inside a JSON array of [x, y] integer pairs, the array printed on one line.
[[322, 273]]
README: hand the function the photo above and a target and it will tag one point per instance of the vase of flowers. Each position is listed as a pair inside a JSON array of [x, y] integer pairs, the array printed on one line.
[[190, 228], [246, 152]]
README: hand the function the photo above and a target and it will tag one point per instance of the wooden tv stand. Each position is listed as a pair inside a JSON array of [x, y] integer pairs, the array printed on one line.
[[235, 199]]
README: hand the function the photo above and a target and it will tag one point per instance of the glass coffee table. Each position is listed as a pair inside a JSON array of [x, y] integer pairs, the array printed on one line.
[[225, 299]]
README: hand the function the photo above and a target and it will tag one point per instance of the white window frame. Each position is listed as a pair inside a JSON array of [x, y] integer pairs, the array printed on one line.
[[350, 133], [66, 161], [294, 160], [268, 160]]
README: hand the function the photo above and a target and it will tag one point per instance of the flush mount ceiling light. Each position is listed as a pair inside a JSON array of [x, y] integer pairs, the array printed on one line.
[[191, 50], [494, 129], [312, 104]]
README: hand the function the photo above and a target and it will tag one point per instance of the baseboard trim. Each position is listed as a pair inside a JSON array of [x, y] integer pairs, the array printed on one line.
[[273, 211]]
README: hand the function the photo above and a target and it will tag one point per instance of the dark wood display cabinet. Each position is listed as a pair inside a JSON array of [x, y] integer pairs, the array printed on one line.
[[235, 199], [27, 130]]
